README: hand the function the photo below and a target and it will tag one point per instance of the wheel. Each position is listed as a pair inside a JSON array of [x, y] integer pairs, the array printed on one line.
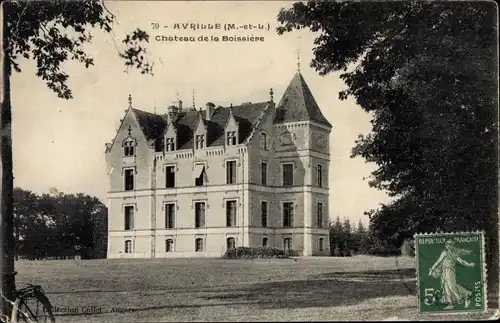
[[33, 307]]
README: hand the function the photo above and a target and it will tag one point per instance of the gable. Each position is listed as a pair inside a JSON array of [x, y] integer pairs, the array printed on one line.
[[153, 127], [171, 130], [123, 133], [231, 124], [201, 127]]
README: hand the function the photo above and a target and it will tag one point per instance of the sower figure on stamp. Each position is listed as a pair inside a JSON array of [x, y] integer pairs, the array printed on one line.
[[444, 268]]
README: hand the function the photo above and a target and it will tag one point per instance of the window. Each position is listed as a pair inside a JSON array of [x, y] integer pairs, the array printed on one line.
[[231, 243], [129, 179], [263, 173], [287, 174], [319, 213], [199, 221], [231, 172], [198, 245], [231, 138], [288, 214], [287, 244], [170, 144], [170, 176], [320, 175], [230, 213], [129, 217], [200, 141], [263, 141], [128, 246], [169, 216], [169, 245], [199, 174], [129, 148], [320, 244], [265, 242], [263, 212]]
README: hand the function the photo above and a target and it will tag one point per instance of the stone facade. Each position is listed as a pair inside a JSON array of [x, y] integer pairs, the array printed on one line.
[[192, 183]]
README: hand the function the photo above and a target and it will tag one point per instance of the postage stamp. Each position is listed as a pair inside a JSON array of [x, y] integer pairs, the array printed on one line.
[[451, 273]]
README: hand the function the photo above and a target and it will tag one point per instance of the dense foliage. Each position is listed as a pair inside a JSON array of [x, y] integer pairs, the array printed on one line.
[[53, 32], [258, 252], [50, 33], [346, 241], [59, 225], [426, 72]]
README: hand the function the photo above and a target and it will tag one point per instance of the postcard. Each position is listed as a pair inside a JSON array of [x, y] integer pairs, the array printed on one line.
[[168, 161]]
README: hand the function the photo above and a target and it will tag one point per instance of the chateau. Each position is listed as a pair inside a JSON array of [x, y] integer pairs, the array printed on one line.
[[194, 182]]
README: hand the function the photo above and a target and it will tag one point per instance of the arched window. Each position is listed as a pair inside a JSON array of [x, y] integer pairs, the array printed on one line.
[[169, 245], [265, 242], [128, 246], [320, 244], [231, 243], [198, 245]]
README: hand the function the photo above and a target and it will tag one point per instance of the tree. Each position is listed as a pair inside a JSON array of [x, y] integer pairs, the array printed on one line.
[[360, 238], [51, 33], [341, 238], [338, 225], [99, 219], [427, 73], [59, 225], [361, 228], [25, 217], [408, 249], [347, 225]]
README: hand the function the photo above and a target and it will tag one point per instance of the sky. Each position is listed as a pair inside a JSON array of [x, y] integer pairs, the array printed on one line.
[[60, 143]]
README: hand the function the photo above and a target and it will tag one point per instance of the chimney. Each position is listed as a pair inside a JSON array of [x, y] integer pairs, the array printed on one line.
[[172, 112], [210, 109], [180, 106]]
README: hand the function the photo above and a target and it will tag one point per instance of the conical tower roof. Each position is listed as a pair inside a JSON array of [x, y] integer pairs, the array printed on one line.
[[298, 104]]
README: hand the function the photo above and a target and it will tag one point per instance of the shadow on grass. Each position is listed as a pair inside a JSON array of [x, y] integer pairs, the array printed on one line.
[[327, 290], [404, 273], [334, 289]]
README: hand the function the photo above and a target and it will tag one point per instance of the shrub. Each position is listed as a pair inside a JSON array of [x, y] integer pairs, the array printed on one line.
[[258, 252], [408, 248]]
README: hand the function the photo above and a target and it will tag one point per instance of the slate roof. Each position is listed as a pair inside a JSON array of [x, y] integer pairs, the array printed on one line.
[[247, 115], [150, 123], [298, 104]]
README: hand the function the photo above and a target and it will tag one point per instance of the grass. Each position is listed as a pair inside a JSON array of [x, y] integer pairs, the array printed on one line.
[[173, 290]]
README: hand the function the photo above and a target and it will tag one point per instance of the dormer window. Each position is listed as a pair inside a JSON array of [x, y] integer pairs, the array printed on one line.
[[231, 138], [169, 144], [263, 141], [200, 141], [129, 148]]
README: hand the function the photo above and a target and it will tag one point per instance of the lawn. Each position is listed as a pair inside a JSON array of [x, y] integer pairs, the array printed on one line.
[[172, 290]]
